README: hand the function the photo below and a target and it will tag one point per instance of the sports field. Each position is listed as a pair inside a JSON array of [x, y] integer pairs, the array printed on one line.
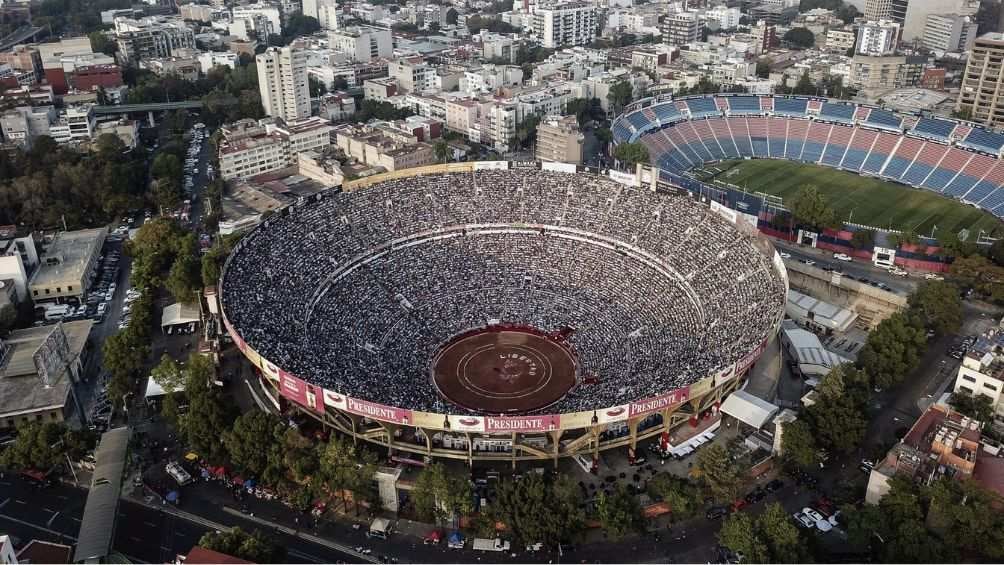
[[858, 199]]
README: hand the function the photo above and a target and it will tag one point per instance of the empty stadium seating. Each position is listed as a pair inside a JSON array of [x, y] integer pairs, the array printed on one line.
[[934, 153]]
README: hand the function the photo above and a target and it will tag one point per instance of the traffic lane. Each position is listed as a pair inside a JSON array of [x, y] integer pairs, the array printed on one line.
[[152, 535], [855, 269]]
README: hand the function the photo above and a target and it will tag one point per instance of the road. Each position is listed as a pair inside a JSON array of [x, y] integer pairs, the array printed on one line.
[[858, 269]]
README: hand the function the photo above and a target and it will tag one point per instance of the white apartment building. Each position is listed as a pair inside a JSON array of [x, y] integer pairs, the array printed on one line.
[[329, 15], [257, 13], [681, 28], [151, 38], [982, 370], [840, 40], [74, 123], [210, 59], [877, 39], [413, 75], [22, 124], [949, 32], [489, 78], [363, 43], [282, 81], [725, 17], [303, 135], [252, 148], [917, 12], [566, 25]]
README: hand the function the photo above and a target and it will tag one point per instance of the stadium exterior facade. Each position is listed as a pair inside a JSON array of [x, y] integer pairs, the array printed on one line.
[[514, 438], [954, 158]]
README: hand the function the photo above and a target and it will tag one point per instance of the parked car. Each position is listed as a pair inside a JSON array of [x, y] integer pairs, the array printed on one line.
[[803, 521], [774, 485], [716, 512], [934, 277], [842, 257], [898, 272], [784, 255]]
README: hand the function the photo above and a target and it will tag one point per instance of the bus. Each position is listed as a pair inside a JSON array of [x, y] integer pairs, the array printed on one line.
[[54, 313]]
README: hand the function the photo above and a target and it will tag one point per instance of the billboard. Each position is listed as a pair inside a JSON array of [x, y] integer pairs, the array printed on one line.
[[559, 167], [624, 178], [524, 164], [613, 414], [335, 400], [725, 375], [467, 423], [378, 411], [269, 369], [489, 165], [52, 357], [522, 423], [660, 402], [293, 389]]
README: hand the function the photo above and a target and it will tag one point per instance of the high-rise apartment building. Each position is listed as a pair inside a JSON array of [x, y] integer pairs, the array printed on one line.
[[560, 140], [681, 28], [918, 10], [282, 81], [362, 43], [565, 25], [980, 94], [949, 32], [877, 39], [893, 10]]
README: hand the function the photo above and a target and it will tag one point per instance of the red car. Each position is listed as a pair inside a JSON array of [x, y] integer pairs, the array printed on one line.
[[739, 504]]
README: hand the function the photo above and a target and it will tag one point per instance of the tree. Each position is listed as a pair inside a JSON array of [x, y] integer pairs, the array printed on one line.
[[996, 252], [800, 37], [317, 88], [620, 95], [977, 406], [805, 85], [631, 154], [810, 208], [539, 509], [978, 273], [682, 495], [123, 354], [717, 470], [798, 445], [739, 534], [346, 468], [37, 446], [440, 496], [168, 375], [101, 43], [109, 146], [170, 411], [208, 415], [184, 278], [618, 512], [442, 151], [837, 419], [784, 544], [253, 547], [937, 305], [863, 239], [892, 350], [254, 444]]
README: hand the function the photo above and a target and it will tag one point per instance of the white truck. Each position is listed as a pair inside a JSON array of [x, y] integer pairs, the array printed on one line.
[[178, 473], [484, 544]]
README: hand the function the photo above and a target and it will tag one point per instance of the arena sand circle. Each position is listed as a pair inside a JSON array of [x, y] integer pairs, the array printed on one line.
[[504, 371]]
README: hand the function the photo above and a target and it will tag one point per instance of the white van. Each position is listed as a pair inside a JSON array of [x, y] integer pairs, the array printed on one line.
[[56, 312]]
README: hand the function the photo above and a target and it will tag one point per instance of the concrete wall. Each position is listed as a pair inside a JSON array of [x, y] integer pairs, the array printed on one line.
[[872, 304]]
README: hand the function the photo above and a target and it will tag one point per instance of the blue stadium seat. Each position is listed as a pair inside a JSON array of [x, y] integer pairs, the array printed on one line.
[[994, 200], [833, 154], [667, 112], [884, 118], [916, 174], [939, 179], [638, 120], [896, 167], [744, 105], [984, 140], [775, 145], [702, 107], [982, 190], [812, 152], [715, 149], [793, 150], [933, 127], [620, 132], [743, 143], [838, 112], [960, 185], [702, 151], [760, 147], [728, 146], [874, 162], [789, 106], [854, 159]]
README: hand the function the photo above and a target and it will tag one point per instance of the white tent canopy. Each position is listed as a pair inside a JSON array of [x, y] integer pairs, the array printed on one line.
[[178, 313], [154, 390], [748, 409]]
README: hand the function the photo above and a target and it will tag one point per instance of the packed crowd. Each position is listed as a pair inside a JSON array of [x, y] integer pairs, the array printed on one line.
[[357, 291]]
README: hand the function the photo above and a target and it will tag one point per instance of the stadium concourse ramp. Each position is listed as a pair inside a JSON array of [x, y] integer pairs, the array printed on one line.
[[413, 436], [871, 304], [954, 158]]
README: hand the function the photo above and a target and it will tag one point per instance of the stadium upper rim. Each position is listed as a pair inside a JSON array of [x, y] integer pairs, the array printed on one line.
[[317, 399], [955, 158]]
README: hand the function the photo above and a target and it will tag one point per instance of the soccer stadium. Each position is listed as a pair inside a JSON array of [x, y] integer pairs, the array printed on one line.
[[954, 163], [509, 311]]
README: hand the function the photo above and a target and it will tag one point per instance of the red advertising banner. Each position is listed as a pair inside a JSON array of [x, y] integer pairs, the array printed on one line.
[[522, 423], [378, 411], [335, 400], [725, 375], [657, 403], [751, 358], [293, 388]]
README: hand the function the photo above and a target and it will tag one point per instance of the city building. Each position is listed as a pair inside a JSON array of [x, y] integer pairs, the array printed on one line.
[[324, 168], [336, 106], [251, 148], [979, 94], [246, 201], [949, 32], [23, 123], [840, 40], [262, 18], [125, 129], [982, 370], [282, 82], [362, 44], [892, 71], [681, 28], [413, 74], [565, 25], [560, 140], [211, 59], [38, 367], [67, 266], [73, 123], [151, 38], [18, 260], [724, 17], [24, 58], [877, 39], [380, 88], [807, 353], [893, 10], [379, 147], [185, 68], [917, 12]]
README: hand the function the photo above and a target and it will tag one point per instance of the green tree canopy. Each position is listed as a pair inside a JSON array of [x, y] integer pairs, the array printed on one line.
[[631, 153], [539, 509], [254, 547], [936, 305], [682, 495], [810, 208], [838, 420], [37, 446], [168, 374], [718, 471], [439, 496], [208, 414], [892, 350], [620, 95], [739, 534], [798, 444], [346, 468], [618, 512], [800, 37]]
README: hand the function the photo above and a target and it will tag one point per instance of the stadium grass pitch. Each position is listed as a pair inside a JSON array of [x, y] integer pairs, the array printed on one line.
[[859, 199]]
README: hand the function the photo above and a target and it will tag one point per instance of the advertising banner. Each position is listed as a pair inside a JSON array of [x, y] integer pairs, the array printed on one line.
[[252, 356], [488, 165], [315, 398], [724, 211], [725, 375], [522, 423], [613, 414], [335, 400], [624, 178], [524, 164], [427, 420], [379, 411], [559, 167], [467, 423], [269, 369], [701, 387], [293, 388], [657, 403], [576, 420], [750, 358]]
